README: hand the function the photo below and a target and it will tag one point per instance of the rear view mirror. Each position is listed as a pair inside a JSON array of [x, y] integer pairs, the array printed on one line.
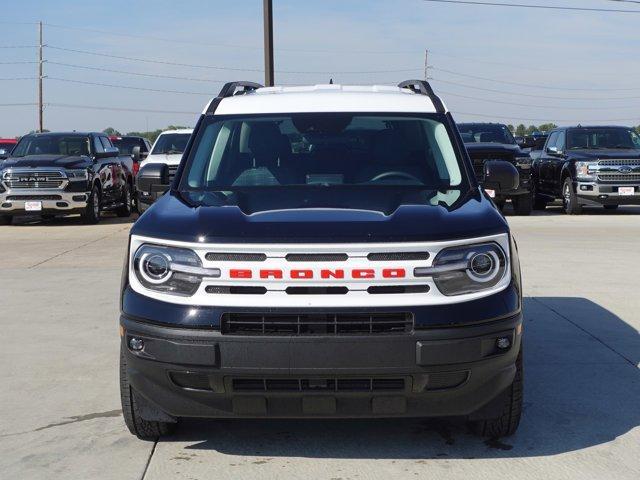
[[153, 177], [500, 176]]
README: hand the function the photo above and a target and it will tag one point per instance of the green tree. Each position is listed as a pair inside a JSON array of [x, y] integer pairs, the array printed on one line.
[[545, 127], [511, 128], [112, 132], [521, 130]]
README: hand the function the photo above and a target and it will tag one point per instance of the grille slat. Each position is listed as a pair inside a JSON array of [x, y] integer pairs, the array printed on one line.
[[619, 177], [34, 197], [329, 384], [35, 179], [316, 257], [317, 324], [620, 162], [392, 256], [235, 257]]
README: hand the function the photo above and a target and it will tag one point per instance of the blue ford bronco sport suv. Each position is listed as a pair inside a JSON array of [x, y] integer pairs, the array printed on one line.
[[322, 252]]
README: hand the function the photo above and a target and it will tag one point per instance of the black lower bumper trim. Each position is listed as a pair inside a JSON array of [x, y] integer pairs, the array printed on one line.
[[436, 372]]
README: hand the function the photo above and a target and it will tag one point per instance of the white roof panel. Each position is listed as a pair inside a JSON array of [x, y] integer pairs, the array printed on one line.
[[326, 98]]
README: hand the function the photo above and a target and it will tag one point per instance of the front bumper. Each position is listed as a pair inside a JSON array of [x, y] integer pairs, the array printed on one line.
[[594, 193], [12, 202], [189, 372]]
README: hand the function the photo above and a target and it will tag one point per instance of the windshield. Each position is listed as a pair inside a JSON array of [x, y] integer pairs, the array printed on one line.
[[52, 145], [125, 145], [600, 138], [485, 133], [170, 143], [322, 149]]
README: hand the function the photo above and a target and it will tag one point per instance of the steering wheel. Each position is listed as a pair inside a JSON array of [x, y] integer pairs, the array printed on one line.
[[404, 175]]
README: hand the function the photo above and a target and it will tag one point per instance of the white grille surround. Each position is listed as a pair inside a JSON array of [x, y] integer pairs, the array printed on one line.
[[357, 296]]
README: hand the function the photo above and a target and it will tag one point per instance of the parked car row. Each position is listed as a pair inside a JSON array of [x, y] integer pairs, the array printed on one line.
[[582, 165], [50, 174]]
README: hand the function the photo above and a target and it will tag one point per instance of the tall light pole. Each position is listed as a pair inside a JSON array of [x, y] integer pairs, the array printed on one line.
[[268, 43]]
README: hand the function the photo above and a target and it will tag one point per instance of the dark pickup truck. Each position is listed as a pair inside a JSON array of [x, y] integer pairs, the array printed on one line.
[[64, 173], [588, 166], [493, 141]]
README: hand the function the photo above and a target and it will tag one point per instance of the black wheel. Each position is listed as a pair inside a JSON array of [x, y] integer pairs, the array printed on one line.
[[570, 199], [507, 423], [92, 211], [538, 202], [143, 429], [522, 204], [611, 207], [127, 203], [6, 219]]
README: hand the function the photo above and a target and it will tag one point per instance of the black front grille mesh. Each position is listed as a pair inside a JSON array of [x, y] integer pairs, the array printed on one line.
[[333, 384], [317, 324], [235, 257]]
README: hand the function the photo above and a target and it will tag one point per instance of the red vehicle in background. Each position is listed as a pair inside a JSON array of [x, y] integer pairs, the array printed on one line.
[[6, 145]]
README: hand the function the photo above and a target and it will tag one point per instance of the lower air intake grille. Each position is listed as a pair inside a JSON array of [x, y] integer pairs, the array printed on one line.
[[317, 384], [317, 324]]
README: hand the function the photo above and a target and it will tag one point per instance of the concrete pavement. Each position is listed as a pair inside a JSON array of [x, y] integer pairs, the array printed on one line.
[[60, 407]]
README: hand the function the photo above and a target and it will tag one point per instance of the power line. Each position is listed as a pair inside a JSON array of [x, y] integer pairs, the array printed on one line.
[[491, 100], [126, 72], [16, 63], [10, 79], [529, 95], [222, 45], [525, 5], [82, 82], [18, 46], [118, 109], [233, 69], [529, 85], [17, 104]]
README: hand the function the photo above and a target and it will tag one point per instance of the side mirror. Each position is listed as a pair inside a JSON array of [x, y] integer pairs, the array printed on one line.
[[4, 154], [500, 176], [153, 177], [135, 153], [555, 151], [108, 153]]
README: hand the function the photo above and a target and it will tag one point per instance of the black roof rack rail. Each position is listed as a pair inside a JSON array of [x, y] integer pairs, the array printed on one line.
[[230, 89], [423, 87]]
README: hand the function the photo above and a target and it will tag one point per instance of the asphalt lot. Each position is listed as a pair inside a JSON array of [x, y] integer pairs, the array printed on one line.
[[60, 409]]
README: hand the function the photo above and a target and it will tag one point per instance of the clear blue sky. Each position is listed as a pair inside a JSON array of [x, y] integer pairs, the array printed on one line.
[[557, 50]]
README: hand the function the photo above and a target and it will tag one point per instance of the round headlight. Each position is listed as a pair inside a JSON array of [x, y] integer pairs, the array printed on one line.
[[156, 267]]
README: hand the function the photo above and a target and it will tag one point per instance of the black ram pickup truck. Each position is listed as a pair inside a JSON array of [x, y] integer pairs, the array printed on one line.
[[52, 174], [493, 141], [588, 166]]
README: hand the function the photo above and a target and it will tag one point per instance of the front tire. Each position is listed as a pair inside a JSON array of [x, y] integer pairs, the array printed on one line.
[[127, 204], [507, 422], [92, 211], [570, 199], [141, 428], [522, 204], [6, 219], [539, 203]]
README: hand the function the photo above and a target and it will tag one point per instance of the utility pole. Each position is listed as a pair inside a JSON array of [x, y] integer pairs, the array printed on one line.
[[426, 64], [40, 61], [268, 43]]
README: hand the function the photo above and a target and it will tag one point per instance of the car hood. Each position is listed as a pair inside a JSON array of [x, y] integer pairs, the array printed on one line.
[[35, 161], [173, 218], [494, 147], [172, 159], [604, 154]]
